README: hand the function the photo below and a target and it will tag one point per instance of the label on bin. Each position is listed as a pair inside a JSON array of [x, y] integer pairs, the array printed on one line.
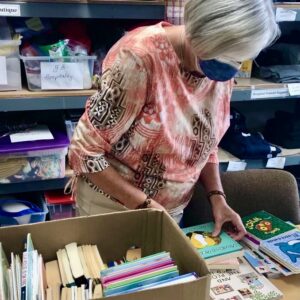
[[10, 10], [3, 73], [61, 76]]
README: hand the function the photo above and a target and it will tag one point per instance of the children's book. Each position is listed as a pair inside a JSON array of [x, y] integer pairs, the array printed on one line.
[[137, 270], [139, 262], [263, 225], [226, 264], [213, 248], [172, 281], [242, 284], [284, 248], [159, 278], [140, 277]]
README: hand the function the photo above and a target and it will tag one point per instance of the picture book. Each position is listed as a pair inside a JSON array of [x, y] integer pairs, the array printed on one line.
[[171, 281], [263, 225], [213, 248], [285, 249], [142, 282], [226, 264], [242, 284]]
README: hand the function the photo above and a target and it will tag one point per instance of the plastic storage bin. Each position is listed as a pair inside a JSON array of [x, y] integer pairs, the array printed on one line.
[[64, 73], [35, 160], [60, 206], [10, 77], [26, 217]]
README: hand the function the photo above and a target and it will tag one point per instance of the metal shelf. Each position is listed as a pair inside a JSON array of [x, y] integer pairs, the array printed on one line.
[[254, 89], [291, 7], [104, 10], [23, 187], [261, 163], [43, 100]]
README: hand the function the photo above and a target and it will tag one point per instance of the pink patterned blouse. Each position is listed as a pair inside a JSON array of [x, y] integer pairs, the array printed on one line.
[[156, 124]]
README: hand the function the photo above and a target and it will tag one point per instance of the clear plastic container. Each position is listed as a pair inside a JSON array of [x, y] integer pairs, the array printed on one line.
[[30, 218], [83, 66], [10, 79], [33, 160], [60, 206], [32, 168]]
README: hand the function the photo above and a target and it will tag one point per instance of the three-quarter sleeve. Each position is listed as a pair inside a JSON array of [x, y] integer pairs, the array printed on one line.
[[110, 112]]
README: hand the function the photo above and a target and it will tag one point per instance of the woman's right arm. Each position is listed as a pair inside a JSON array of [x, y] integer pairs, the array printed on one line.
[[108, 115]]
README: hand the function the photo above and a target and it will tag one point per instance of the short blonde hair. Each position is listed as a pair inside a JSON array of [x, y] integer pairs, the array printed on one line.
[[218, 27]]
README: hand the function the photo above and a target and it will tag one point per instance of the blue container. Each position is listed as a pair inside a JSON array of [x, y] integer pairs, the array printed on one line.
[[36, 211]]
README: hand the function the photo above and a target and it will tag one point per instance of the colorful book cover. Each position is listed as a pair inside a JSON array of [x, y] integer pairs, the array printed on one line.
[[212, 248], [242, 284], [140, 277], [285, 248], [264, 225], [137, 270], [139, 262], [141, 283]]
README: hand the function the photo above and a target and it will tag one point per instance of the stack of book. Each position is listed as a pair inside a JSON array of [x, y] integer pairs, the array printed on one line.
[[76, 268], [221, 252], [273, 241], [149, 272]]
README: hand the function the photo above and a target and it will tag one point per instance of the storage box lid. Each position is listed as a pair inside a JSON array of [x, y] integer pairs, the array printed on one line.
[[58, 197], [60, 140]]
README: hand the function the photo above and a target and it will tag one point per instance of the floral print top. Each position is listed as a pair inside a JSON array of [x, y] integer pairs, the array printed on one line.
[[155, 123]]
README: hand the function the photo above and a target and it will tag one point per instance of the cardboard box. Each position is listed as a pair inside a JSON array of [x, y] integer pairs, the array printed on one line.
[[114, 234]]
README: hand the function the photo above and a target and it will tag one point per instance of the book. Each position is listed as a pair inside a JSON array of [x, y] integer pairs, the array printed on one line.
[[140, 277], [262, 225], [171, 281], [4, 288], [212, 248], [139, 283], [64, 265], [284, 248], [75, 263], [240, 284], [130, 271], [226, 264], [86, 270], [98, 292], [52, 273]]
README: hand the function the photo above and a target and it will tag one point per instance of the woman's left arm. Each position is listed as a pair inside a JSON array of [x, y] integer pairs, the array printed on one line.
[[222, 212]]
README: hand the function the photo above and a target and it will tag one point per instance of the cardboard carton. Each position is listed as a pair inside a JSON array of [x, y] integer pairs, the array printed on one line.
[[114, 234]]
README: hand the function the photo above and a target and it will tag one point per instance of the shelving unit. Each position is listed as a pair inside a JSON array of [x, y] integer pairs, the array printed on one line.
[[105, 10], [245, 89]]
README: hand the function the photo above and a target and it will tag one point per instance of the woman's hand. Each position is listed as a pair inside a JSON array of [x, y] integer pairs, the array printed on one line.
[[224, 214]]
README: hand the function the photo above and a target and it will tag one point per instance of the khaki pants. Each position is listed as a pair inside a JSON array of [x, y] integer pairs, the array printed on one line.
[[91, 202]]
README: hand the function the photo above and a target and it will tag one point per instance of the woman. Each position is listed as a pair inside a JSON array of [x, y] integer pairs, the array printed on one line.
[[152, 130]]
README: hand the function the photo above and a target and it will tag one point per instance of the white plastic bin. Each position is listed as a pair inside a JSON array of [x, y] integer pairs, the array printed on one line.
[[63, 73], [10, 71]]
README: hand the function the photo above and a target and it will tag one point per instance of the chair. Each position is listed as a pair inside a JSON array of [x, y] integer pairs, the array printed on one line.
[[274, 191]]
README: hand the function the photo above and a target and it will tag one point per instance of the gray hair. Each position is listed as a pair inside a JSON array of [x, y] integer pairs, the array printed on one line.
[[240, 27]]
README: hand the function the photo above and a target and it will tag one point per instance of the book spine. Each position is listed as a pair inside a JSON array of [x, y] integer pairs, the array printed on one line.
[[24, 275]]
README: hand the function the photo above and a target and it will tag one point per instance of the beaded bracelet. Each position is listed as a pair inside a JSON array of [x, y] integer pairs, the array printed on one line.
[[212, 193]]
